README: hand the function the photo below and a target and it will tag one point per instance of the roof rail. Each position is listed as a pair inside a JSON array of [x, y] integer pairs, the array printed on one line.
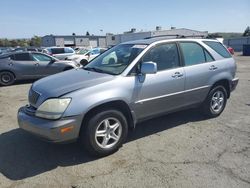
[[192, 36], [176, 36], [179, 36]]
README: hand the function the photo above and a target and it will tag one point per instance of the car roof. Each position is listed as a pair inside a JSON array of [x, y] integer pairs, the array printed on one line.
[[57, 47]]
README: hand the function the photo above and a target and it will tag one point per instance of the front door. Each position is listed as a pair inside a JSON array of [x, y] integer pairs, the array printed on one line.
[[45, 64], [161, 92]]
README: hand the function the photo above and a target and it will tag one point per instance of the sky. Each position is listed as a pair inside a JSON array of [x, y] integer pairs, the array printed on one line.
[[26, 18]]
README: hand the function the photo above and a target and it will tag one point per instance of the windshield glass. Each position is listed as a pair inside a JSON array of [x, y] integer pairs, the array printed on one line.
[[82, 51], [115, 60]]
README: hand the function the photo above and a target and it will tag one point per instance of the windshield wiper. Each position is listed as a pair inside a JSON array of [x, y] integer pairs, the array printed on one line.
[[95, 70], [98, 70]]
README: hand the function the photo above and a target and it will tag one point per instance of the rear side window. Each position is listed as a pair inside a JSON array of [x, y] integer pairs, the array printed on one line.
[[193, 53], [219, 48], [57, 50], [22, 57], [68, 50]]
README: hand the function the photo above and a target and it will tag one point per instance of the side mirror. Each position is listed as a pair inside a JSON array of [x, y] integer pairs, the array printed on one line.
[[148, 68], [52, 61]]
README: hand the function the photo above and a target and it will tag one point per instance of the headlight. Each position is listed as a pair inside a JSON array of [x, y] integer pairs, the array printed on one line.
[[53, 108]]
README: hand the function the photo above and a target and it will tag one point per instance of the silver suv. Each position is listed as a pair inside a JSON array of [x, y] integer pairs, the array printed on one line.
[[129, 83]]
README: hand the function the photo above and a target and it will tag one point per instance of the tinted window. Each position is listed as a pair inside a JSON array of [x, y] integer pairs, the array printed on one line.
[[165, 56], [219, 48], [209, 58], [22, 57], [193, 53], [68, 50], [40, 57], [57, 50]]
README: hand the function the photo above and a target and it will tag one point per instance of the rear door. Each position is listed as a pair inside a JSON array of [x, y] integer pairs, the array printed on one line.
[[161, 92], [24, 64], [199, 67]]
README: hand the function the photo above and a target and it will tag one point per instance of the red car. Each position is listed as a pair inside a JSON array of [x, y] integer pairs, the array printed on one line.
[[230, 49]]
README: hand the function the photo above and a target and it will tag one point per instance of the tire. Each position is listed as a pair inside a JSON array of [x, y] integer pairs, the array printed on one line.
[[104, 132], [7, 78], [215, 102], [84, 62]]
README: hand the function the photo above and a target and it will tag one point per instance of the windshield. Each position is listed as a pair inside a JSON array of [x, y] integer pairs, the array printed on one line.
[[82, 51], [115, 60]]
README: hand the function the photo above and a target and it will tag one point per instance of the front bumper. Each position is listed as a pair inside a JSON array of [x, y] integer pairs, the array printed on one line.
[[234, 83], [49, 130]]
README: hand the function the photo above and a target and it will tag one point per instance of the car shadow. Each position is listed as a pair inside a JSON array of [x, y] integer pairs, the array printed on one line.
[[23, 156], [21, 82]]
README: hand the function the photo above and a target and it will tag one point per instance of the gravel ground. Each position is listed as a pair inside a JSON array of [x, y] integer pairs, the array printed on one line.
[[178, 150]]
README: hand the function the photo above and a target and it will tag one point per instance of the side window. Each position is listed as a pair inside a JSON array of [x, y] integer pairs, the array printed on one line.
[[165, 56], [208, 56], [57, 50], [193, 53], [22, 57], [40, 57], [219, 48], [68, 50], [96, 51]]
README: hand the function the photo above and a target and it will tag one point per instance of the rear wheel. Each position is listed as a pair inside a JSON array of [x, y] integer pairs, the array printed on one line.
[[104, 132], [7, 78], [215, 102]]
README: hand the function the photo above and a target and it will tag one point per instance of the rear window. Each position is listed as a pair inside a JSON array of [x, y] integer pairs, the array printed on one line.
[[219, 48], [57, 50]]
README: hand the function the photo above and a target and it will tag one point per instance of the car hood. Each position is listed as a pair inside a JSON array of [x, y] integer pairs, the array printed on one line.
[[67, 82]]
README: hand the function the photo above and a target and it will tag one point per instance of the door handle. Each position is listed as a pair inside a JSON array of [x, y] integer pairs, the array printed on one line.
[[36, 64], [213, 67], [177, 75]]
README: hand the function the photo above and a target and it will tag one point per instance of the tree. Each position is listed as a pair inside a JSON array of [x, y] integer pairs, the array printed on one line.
[[247, 32], [35, 41], [87, 33], [73, 34]]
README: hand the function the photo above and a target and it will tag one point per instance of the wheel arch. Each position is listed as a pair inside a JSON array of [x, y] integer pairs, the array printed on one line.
[[225, 83], [6, 70], [118, 105]]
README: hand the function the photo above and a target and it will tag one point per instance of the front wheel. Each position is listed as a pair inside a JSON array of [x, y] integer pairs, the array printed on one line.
[[215, 102], [104, 132], [6, 78]]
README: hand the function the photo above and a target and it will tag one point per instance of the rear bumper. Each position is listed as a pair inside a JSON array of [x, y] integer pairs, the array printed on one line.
[[50, 130], [234, 83]]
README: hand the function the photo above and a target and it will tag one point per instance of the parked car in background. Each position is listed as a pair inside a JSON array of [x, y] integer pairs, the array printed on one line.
[[129, 83], [230, 49], [59, 52], [83, 56], [30, 65]]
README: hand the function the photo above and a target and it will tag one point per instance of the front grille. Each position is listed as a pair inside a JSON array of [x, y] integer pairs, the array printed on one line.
[[33, 96]]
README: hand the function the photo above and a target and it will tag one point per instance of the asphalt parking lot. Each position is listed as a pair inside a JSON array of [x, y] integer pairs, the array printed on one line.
[[178, 150]]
